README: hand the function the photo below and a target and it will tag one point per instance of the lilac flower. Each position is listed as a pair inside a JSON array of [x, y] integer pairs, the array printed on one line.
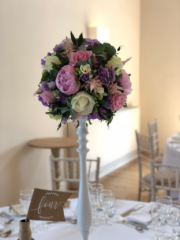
[[51, 84], [44, 85], [48, 54], [108, 99], [112, 75], [96, 115], [90, 42], [58, 47], [103, 74], [84, 77], [62, 97], [64, 120], [43, 103], [43, 62]]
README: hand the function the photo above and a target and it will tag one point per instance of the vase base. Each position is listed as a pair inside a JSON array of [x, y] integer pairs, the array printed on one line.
[[85, 235]]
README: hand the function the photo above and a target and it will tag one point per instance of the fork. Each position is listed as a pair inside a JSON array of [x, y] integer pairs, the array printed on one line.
[[6, 219], [7, 216], [7, 233]]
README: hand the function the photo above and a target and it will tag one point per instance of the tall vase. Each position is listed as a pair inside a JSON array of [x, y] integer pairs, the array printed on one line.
[[84, 215]]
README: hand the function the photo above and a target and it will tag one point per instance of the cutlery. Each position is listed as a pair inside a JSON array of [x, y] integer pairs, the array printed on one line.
[[137, 227], [124, 221], [137, 207], [7, 216], [6, 220], [74, 221], [7, 233]]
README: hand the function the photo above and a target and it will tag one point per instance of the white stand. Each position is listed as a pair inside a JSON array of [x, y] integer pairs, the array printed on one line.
[[84, 216]]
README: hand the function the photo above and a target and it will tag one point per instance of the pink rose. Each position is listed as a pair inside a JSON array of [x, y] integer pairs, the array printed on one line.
[[48, 97], [79, 56], [118, 101], [66, 80], [125, 82]]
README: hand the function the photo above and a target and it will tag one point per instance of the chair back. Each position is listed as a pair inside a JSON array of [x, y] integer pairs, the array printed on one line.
[[153, 132], [168, 178], [67, 170]]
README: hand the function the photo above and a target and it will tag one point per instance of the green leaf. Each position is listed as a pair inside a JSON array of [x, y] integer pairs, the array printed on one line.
[[59, 126], [79, 63], [73, 39], [104, 103], [72, 113], [119, 77], [119, 48], [80, 40], [129, 75], [98, 48], [45, 76], [110, 50], [89, 60], [101, 116]]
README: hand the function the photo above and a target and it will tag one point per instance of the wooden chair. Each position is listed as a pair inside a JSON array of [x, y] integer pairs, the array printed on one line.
[[153, 132], [69, 173], [160, 176]]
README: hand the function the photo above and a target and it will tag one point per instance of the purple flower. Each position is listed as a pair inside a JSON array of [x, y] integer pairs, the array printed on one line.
[[103, 74], [43, 62], [64, 120], [96, 115], [58, 47], [62, 97], [48, 54], [84, 77], [51, 84], [90, 42], [108, 99], [112, 75], [44, 85], [43, 103]]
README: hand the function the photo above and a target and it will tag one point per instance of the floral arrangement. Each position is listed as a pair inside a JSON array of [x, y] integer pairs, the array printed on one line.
[[83, 77]]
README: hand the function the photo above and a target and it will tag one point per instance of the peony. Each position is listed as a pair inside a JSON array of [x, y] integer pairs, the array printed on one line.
[[79, 56], [118, 101], [85, 68], [49, 60], [66, 80], [115, 62], [82, 103], [48, 97], [125, 82]]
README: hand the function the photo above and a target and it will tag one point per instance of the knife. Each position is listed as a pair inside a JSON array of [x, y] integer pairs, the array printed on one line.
[[137, 207]]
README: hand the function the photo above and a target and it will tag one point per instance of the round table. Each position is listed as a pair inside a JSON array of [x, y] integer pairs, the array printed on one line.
[[69, 231], [172, 156], [55, 144]]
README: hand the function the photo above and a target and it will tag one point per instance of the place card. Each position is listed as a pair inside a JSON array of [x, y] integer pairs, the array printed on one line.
[[47, 205]]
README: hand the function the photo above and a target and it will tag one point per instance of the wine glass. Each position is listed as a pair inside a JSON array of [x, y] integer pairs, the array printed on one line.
[[94, 203], [112, 209], [106, 199], [99, 188], [25, 197]]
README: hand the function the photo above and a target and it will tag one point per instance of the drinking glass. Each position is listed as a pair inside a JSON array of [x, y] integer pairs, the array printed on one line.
[[112, 209], [106, 199], [25, 197], [99, 188], [94, 203], [175, 223], [158, 226]]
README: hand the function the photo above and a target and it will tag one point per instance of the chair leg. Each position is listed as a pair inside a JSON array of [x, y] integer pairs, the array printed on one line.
[[139, 193], [149, 196]]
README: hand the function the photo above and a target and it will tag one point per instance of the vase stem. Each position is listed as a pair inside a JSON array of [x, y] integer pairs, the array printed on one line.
[[84, 216]]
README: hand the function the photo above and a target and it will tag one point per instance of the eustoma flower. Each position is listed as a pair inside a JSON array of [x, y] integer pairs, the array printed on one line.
[[82, 55], [118, 101], [66, 80], [49, 61], [115, 63]]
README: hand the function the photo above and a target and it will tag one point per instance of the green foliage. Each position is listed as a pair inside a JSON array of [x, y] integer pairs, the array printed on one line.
[[98, 48], [79, 63], [110, 50], [59, 126], [45, 76], [119, 77], [52, 75], [80, 40], [73, 39], [119, 48], [72, 113]]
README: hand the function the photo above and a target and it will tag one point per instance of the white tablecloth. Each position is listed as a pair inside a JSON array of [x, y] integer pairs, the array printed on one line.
[[68, 231], [172, 156]]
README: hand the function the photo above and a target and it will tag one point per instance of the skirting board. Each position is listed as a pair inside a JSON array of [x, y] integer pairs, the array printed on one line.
[[114, 165]]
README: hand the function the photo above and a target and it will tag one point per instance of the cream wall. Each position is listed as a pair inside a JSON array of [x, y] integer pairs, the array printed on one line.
[[159, 62], [29, 29]]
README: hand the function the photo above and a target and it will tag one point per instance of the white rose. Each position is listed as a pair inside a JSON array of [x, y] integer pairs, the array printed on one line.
[[49, 60], [115, 62], [82, 103], [85, 68], [99, 90]]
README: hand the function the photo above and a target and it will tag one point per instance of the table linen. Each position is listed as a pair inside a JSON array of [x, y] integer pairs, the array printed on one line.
[[66, 230]]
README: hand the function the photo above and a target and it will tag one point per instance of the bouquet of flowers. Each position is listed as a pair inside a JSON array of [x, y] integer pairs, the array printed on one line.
[[83, 77]]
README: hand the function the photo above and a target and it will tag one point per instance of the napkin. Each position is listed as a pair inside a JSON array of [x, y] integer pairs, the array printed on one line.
[[71, 211], [142, 216]]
